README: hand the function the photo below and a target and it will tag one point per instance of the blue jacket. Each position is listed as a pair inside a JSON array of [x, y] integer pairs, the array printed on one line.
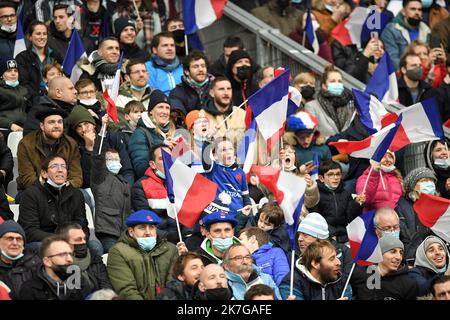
[[239, 287], [161, 79], [272, 261]]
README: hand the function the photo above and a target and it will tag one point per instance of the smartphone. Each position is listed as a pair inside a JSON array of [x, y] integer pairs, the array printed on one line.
[[435, 42]]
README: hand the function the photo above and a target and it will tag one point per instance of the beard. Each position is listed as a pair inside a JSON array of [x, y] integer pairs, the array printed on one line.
[[327, 274]]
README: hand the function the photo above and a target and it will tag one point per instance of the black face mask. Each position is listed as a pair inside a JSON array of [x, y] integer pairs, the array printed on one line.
[[80, 250], [178, 35], [244, 73], [218, 294], [308, 92], [61, 272], [414, 22]]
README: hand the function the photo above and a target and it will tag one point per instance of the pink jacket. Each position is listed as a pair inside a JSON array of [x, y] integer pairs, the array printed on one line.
[[376, 196]]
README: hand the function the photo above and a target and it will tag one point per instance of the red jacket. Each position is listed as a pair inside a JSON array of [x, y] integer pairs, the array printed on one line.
[[149, 193], [439, 73]]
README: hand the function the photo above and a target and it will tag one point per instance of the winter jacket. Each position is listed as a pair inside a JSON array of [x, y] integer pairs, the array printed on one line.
[[303, 155], [94, 26], [218, 67], [125, 96], [338, 208], [206, 252], [6, 164], [238, 286], [112, 198], [379, 195], [175, 290], [15, 274], [442, 174], [43, 208], [241, 91], [133, 52], [136, 274], [443, 96], [272, 261], [162, 79], [58, 42], [395, 37], [306, 287], [93, 271], [395, 285], [32, 151], [185, 97], [14, 104], [404, 94], [7, 43]]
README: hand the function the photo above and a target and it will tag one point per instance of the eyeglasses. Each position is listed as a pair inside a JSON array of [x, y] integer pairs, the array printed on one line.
[[87, 93], [61, 255], [11, 239], [337, 175], [58, 166], [389, 229], [11, 16], [241, 258]]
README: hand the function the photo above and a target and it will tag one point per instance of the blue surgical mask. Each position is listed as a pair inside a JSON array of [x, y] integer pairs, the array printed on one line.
[[441, 163], [426, 3], [160, 174], [12, 258], [137, 88], [54, 185], [387, 169], [336, 88], [443, 269], [329, 187], [296, 1], [222, 244], [395, 234], [200, 84], [427, 187], [113, 166], [12, 83], [146, 244]]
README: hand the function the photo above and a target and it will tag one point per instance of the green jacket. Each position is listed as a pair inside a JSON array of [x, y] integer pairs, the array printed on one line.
[[136, 274]]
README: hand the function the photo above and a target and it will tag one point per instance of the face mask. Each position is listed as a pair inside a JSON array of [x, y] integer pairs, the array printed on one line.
[[222, 244], [178, 35], [244, 73], [329, 187], [137, 88], [336, 88], [218, 294], [146, 244], [427, 187], [329, 7], [160, 174], [307, 92], [80, 250], [113, 166], [296, 1], [88, 102], [12, 258], [413, 22], [426, 3], [395, 234], [9, 29], [414, 74], [54, 185], [387, 169], [443, 269], [200, 84], [441, 163], [12, 83], [61, 272]]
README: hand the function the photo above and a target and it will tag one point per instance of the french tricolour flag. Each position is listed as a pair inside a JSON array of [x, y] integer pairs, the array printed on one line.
[[363, 240], [371, 110], [357, 28], [188, 191], [418, 123], [289, 190], [383, 83], [315, 172], [111, 95], [198, 14], [19, 45], [311, 34], [434, 213], [373, 147], [75, 51], [247, 148]]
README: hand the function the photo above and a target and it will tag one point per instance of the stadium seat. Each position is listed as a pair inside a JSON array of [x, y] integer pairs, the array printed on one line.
[[15, 209], [13, 141]]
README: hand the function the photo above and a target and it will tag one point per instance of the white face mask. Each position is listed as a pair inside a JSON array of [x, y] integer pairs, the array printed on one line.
[[442, 163], [9, 29], [329, 7], [88, 102], [387, 169]]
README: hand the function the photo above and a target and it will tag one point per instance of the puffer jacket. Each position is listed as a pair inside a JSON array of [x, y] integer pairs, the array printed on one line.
[[136, 274], [125, 96], [272, 261], [14, 104], [7, 43], [185, 97], [175, 290], [161, 79]]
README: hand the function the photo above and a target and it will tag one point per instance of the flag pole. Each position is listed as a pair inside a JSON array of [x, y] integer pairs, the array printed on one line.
[[367, 180], [186, 49], [137, 10], [382, 181], [178, 223], [102, 133], [348, 279], [292, 273], [228, 117]]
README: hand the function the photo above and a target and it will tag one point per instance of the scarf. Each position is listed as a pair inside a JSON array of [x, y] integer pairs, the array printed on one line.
[[201, 91], [336, 107], [147, 19], [103, 67], [166, 65]]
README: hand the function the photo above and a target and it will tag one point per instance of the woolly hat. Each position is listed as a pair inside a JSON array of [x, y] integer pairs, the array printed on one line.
[[78, 115], [11, 226], [6, 64], [121, 23], [142, 217], [302, 122], [388, 243], [157, 96], [50, 111], [218, 217], [315, 225], [414, 176], [193, 116], [236, 55]]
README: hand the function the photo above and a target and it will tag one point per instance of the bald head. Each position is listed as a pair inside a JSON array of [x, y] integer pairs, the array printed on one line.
[[386, 219], [61, 88], [212, 276]]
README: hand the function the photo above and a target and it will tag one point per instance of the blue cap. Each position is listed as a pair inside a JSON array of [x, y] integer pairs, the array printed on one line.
[[217, 217], [142, 217]]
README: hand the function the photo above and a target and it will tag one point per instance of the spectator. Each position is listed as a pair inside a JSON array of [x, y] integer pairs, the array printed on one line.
[[164, 67], [17, 265], [13, 96], [443, 95], [186, 272], [406, 27], [440, 288], [264, 76], [269, 259], [51, 201], [317, 275], [51, 71], [432, 260], [91, 265], [49, 282], [382, 7], [434, 12], [87, 98], [199, 128], [213, 284], [333, 106], [437, 159], [8, 23], [441, 30], [394, 283], [231, 43], [139, 263], [176, 26], [38, 145], [259, 292], [95, 22], [305, 82], [153, 128], [126, 33], [242, 274], [329, 13], [133, 111], [31, 62], [192, 92], [6, 175]]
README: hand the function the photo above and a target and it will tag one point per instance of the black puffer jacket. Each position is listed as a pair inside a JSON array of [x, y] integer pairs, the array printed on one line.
[[14, 104], [185, 98], [7, 43], [175, 290], [43, 208]]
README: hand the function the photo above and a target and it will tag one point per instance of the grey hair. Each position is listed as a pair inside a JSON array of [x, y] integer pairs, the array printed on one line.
[[226, 254], [383, 212]]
